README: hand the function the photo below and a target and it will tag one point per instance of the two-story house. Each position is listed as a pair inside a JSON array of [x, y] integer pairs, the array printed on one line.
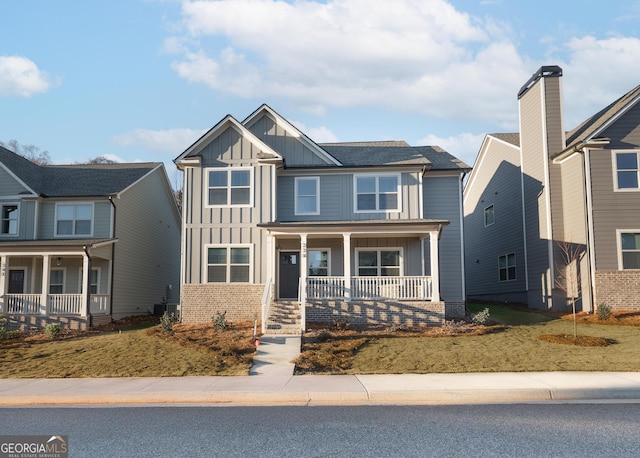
[[365, 232], [534, 196], [83, 244]]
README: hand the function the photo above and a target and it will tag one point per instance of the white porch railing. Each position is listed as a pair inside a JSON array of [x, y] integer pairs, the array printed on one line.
[[22, 304], [266, 302], [99, 304], [64, 304], [397, 288]]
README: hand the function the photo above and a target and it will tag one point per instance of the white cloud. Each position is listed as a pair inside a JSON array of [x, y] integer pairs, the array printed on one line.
[[173, 141], [463, 146], [21, 77], [320, 134]]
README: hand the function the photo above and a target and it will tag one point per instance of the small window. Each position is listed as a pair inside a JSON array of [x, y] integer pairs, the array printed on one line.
[[379, 263], [307, 196], [630, 247], [375, 193], [507, 267], [9, 219], [229, 187], [228, 264], [56, 281], [74, 219], [318, 263], [626, 170], [489, 217]]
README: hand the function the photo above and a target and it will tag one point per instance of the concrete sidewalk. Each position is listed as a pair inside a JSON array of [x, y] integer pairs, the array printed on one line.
[[327, 389]]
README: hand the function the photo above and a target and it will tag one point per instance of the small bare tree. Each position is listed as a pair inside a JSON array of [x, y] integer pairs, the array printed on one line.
[[568, 276], [30, 152]]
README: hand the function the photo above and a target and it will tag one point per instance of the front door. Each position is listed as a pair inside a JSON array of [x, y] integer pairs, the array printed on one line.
[[289, 274], [16, 281]]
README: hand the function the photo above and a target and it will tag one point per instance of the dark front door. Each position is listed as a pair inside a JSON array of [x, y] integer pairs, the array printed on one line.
[[16, 281], [289, 274]]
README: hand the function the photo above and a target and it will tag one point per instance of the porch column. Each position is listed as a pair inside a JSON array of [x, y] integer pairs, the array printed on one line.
[[86, 268], [435, 266], [347, 265], [304, 268], [271, 260], [3, 284], [45, 285]]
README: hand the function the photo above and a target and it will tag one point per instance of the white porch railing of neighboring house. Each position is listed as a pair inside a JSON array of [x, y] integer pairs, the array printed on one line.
[[22, 304], [99, 304], [397, 288], [57, 304]]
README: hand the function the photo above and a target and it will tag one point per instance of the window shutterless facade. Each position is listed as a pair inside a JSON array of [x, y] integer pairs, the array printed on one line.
[[489, 216], [379, 262], [9, 219], [230, 187], [307, 195], [228, 263], [377, 193], [626, 173], [319, 262], [74, 220], [629, 249], [507, 267], [56, 281]]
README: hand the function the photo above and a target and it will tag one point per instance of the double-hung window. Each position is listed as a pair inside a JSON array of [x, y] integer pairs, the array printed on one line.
[[626, 175], [629, 250], [318, 263], [10, 219], [229, 187], [56, 281], [74, 219], [307, 195], [377, 193], [228, 264], [507, 267], [379, 263]]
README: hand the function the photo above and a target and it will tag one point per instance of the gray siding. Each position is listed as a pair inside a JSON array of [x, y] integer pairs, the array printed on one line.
[[9, 186], [147, 254], [101, 218]]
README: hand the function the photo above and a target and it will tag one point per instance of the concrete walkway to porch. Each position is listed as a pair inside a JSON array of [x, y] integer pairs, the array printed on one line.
[[275, 354]]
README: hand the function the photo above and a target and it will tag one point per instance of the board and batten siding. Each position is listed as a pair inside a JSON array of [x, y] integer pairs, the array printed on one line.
[[205, 225], [497, 182], [147, 253]]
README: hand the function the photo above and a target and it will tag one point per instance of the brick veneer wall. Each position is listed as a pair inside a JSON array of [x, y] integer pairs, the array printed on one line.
[[455, 310], [200, 302], [619, 289], [35, 322], [409, 313]]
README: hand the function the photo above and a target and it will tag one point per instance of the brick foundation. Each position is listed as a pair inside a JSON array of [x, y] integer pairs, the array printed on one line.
[[455, 310], [201, 302], [619, 289], [409, 313], [36, 322]]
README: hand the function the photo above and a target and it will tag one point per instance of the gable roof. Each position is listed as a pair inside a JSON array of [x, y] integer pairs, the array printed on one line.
[[393, 153], [511, 138], [74, 180]]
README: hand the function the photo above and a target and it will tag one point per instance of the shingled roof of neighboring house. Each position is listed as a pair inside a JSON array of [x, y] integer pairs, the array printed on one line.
[[371, 154], [75, 180], [512, 138]]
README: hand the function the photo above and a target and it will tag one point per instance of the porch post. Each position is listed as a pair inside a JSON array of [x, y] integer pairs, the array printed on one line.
[[3, 284], [347, 265], [435, 266], [86, 266], [304, 268], [45, 285]]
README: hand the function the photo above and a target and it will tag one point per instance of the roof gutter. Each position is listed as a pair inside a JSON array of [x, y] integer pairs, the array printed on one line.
[[579, 147]]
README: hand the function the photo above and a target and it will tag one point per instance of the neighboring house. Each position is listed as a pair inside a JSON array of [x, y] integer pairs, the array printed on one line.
[[82, 244], [534, 195], [362, 232]]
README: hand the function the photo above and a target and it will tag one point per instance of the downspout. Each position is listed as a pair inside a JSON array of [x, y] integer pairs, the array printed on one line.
[[113, 255]]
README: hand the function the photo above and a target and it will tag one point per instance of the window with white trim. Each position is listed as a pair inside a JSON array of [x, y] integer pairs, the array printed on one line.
[[74, 219], [228, 264], [10, 219], [307, 195], [94, 280], [630, 250], [626, 170], [489, 216], [56, 281], [379, 262], [377, 193], [229, 187], [507, 267], [318, 263]]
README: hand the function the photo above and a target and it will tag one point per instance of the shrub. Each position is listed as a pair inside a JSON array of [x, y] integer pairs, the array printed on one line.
[[480, 318], [603, 311], [52, 329], [3, 328], [341, 324], [166, 321], [220, 322], [452, 327]]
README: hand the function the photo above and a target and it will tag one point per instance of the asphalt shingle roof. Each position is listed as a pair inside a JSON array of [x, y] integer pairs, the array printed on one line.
[[512, 138], [75, 180]]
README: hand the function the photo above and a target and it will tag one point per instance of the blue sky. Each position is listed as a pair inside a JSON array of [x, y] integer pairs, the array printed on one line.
[[140, 80]]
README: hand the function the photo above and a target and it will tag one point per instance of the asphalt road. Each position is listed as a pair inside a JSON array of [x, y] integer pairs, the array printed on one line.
[[516, 430]]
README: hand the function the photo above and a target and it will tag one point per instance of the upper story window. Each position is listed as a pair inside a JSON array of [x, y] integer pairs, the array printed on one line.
[[230, 187], [626, 170], [10, 219], [379, 263], [489, 216], [377, 193], [228, 264], [629, 250], [507, 267], [74, 219], [307, 195]]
